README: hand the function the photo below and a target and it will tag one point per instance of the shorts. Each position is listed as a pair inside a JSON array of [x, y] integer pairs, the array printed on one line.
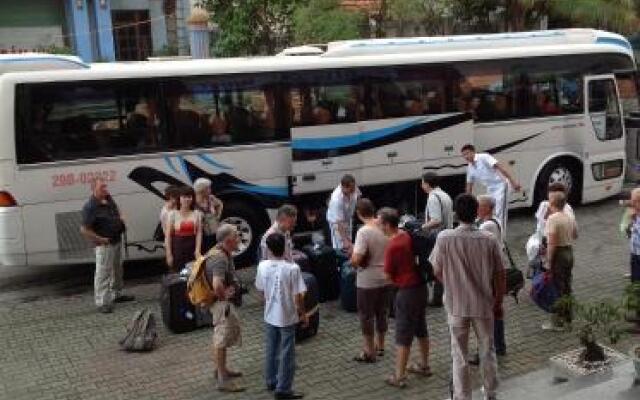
[[373, 307], [226, 325], [411, 314]]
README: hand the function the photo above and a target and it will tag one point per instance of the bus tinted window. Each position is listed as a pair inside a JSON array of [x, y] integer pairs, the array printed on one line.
[[325, 97], [85, 120], [210, 111], [406, 91]]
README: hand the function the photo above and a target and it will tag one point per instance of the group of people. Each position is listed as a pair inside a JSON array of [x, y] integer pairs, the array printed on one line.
[[468, 261]]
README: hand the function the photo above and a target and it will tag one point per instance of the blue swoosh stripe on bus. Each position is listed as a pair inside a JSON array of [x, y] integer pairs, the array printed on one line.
[[615, 42], [350, 140], [209, 160], [319, 148], [280, 191], [185, 168], [167, 159]]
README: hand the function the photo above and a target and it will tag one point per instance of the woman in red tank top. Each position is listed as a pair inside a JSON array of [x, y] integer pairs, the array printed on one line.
[[184, 232]]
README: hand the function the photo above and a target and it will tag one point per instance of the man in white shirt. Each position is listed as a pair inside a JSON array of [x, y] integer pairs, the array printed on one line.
[[286, 218], [283, 289], [485, 169], [342, 207], [438, 213], [438, 216]]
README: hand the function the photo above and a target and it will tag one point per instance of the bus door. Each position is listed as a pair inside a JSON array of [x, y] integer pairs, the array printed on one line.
[[628, 88], [321, 154], [604, 148]]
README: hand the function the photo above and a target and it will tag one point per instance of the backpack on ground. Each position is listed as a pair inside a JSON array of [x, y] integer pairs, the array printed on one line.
[[141, 332], [199, 287]]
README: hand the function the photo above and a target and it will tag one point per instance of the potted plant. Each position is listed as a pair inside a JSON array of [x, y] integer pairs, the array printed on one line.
[[631, 303], [590, 321]]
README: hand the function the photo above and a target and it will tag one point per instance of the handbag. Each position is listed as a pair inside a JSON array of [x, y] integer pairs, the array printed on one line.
[[544, 291]]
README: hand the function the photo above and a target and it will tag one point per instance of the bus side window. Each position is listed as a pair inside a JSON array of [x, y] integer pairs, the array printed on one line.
[[322, 105]]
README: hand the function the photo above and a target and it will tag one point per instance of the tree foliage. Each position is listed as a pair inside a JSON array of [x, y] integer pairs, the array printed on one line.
[[250, 27], [321, 21]]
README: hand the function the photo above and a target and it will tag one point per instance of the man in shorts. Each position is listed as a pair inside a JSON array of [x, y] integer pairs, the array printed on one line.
[[411, 299], [226, 332]]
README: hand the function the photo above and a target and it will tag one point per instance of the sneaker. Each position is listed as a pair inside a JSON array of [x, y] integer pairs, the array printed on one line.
[[549, 326], [474, 360], [105, 309], [124, 298]]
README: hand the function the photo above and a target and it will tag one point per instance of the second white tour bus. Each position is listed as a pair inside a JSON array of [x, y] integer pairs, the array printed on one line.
[[281, 129]]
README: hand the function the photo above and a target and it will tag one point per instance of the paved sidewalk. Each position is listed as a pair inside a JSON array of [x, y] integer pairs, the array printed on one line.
[[58, 347]]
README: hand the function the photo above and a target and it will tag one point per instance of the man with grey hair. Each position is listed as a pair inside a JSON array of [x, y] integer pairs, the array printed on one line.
[[286, 217], [211, 208], [103, 225], [226, 332]]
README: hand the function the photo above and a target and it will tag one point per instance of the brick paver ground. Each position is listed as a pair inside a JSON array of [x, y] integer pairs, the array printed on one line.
[[58, 347]]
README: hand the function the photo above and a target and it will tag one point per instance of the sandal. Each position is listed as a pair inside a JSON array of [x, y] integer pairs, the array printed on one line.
[[418, 369], [230, 387], [392, 380], [380, 352], [365, 358]]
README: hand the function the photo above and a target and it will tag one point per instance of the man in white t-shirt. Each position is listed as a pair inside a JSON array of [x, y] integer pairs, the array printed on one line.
[[485, 169], [283, 289], [342, 207], [438, 213]]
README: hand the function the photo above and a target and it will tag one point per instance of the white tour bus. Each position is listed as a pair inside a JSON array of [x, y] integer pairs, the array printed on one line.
[[270, 130]]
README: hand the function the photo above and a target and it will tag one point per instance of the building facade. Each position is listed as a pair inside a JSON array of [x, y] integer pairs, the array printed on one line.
[[96, 30]]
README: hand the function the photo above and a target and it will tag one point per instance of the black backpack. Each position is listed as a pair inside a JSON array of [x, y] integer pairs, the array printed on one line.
[[141, 333]]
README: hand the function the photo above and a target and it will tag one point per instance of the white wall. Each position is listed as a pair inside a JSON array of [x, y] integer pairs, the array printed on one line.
[[31, 37]]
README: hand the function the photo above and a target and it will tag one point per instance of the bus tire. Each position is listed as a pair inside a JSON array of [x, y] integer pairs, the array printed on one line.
[[564, 170], [251, 224]]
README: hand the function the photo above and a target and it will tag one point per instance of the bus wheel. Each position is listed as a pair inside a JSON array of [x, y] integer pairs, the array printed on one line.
[[250, 224], [565, 171]]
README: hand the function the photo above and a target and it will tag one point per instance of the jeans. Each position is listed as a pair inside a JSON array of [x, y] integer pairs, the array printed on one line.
[[498, 336], [280, 359], [635, 268]]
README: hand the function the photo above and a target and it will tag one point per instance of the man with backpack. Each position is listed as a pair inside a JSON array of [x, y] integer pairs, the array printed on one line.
[[470, 265], [488, 223], [286, 218], [411, 299], [226, 332], [438, 215], [282, 287]]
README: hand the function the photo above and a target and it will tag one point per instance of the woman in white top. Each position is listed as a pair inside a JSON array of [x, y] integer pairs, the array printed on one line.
[[172, 198], [534, 244]]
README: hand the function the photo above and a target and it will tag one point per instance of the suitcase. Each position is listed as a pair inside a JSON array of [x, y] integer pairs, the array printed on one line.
[[311, 303], [178, 314], [301, 259], [323, 264], [348, 297]]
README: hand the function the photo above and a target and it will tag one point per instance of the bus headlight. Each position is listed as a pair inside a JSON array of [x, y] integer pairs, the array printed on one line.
[[607, 170]]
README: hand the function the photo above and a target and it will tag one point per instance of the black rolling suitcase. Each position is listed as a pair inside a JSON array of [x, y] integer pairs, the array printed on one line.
[[311, 306], [178, 314], [323, 264]]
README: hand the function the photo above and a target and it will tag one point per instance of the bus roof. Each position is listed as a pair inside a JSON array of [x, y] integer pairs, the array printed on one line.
[[361, 53], [38, 62]]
